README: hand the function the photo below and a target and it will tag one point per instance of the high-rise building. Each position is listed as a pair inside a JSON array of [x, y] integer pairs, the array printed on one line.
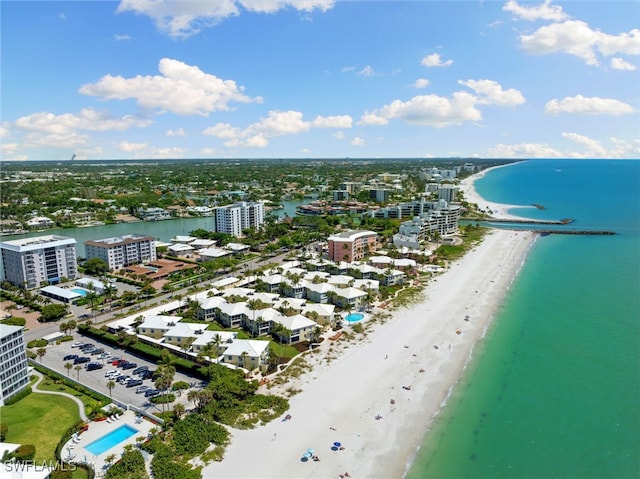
[[29, 262], [121, 251], [14, 375], [234, 219]]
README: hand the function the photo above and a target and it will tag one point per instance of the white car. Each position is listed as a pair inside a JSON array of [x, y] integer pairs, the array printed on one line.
[[112, 374]]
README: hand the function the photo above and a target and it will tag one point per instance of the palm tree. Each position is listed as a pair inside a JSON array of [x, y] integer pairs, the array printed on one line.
[[68, 367], [78, 368], [41, 352], [178, 410], [110, 386], [253, 304], [243, 359], [92, 297]]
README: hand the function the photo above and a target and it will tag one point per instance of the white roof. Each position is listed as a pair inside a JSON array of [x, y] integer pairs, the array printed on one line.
[[207, 336], [293, 323], [183, 239], [212, 302], [319, 287], [321, 309], [61, 292], [185, 330], [159, 322], [202, 243], [364, 284], [221, 283], [180, 247], [350, 293], [213, 252], [237, 291], [273, 279], [340, 279], [237, 246], [310, 275], [253, 347], [234, 309]]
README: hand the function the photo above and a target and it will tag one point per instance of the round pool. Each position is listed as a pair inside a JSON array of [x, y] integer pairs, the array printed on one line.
[[354, 317]]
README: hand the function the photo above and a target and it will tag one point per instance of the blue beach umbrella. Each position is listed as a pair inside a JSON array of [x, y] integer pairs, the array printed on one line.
[[310, 450], [337, 444]]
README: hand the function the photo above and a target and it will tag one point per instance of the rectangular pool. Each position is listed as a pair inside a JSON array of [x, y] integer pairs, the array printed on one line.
[[106, 442]]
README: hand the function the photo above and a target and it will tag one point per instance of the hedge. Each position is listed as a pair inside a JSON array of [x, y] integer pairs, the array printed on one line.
[[14, 321], [14, 399], [146, 351]]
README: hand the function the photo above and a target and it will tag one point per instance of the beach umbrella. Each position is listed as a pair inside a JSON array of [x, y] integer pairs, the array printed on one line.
[[310, 451], [307, 455], [337, 444]]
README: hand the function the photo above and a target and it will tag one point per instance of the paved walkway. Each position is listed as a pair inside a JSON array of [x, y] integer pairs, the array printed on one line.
[[40, 376]]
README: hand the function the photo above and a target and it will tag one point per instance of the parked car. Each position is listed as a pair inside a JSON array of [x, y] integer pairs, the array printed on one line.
[[96, 351], [110, 373], [130, 366], [152, 393], [142, 389], [77, 344], [134, 382], [84, 316], [81, 360], [93, 366], [116, 361], [148, 374], [105, 355], [70, 357], [140, 369], [123, 379], [87, 346], [123, 363]]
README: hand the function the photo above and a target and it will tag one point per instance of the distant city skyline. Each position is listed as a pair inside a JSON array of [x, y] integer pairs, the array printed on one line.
[[319, 79]]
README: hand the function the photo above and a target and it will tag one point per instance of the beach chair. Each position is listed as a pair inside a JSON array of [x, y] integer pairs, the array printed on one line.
[[117, 416], [110, 419]]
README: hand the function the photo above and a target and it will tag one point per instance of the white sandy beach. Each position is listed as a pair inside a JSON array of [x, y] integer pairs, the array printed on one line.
[[339, 400]]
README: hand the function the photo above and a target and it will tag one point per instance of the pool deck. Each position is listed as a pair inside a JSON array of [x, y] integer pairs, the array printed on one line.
[[76, 452]]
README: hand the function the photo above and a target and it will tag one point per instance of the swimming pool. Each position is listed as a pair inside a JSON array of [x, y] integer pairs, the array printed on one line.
[[81, 291], [115, 437], [354, 317]]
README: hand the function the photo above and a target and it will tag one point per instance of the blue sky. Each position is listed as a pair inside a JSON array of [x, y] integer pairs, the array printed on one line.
[[319, 79]]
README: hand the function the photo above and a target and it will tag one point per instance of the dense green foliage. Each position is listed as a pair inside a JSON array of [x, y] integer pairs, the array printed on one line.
[[130, 466], [195, 433], [16, 398], [52, 312], [14, 321], [165, 465]]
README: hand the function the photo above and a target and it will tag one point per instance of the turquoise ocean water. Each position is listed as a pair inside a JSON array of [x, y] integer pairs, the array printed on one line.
[[554, 389]]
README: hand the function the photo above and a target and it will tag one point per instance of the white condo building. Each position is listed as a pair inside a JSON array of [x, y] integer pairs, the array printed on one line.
[[121, 251], [28, 262], [233, 219], [14, 375]]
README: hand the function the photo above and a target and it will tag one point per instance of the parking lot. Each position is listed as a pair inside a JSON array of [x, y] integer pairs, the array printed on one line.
[[103, 363]]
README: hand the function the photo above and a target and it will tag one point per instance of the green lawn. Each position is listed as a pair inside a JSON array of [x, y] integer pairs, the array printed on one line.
[[41, 420], [48, 384]]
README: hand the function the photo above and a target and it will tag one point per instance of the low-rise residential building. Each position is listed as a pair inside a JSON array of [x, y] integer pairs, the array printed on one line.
[[351, 246], [248, 354], [14, 375], [154, 214], [157, 326]]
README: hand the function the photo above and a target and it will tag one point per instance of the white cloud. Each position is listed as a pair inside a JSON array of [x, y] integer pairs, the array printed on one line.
[[545, 11], [434, 60], [491, 93], [181, 89], [357, 141], [338, 121], [131, 147], [620, 64], [277, 123], [594, 147], [182, 19], [120, 38], [178, 132], [271, 6], [581, 105], [420, 83], [87, 119], [367, 71], [438, 111], [339, 135], [524, 150], [576, 38], [4, 132], [208, 151]]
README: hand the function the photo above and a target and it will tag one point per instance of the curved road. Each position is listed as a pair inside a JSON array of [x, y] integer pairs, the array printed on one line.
[[83, 416]]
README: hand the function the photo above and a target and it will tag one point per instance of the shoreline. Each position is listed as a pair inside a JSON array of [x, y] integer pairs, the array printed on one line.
[[402, 371], [497, 210]]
